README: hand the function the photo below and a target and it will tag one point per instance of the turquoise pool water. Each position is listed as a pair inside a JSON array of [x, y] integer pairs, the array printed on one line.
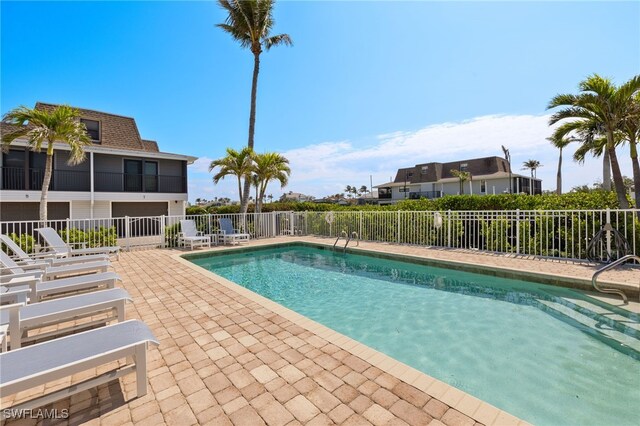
[[549, 355]]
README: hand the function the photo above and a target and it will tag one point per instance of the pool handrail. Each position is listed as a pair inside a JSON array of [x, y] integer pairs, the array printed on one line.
[[594, 278]]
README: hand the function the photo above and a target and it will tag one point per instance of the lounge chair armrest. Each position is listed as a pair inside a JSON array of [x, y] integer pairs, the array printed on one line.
[[41, 266], [82, 244], [22, 278]]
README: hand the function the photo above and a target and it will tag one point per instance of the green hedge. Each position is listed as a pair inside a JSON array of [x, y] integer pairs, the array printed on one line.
[[568, 201]]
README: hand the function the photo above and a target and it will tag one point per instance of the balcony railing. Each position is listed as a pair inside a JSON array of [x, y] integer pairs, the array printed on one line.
[[15, 178], [125, 182], [424, 194]]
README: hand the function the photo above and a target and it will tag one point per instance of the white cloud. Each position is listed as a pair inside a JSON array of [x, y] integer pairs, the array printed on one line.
[[326, 168]]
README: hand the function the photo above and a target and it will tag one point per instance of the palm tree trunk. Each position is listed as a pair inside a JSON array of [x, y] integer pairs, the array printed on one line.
[[45, 184], [559, 175], [617, 174], [252, 126], [636, 170], [531, 183], [606, 171], [240, 188], [258, 207]]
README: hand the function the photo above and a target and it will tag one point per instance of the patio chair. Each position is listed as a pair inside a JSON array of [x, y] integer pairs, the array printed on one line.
[[21, 257], [47, 272], [228, 234], [21, 318], [62, 249], [191, 236], [32, 289], [32, 366]]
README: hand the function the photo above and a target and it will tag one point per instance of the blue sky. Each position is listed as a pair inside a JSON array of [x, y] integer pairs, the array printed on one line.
[[366, 88]]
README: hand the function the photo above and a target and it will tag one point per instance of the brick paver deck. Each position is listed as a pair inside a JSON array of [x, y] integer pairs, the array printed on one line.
[[225, 358]]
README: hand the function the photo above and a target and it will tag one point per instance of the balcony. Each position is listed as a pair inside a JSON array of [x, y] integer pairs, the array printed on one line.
[[16, 179], [424, 194]]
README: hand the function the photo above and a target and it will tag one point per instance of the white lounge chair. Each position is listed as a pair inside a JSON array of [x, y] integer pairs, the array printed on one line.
[[190, 235], [48, 272], [42, 363], [228, 234], [21, 318], [23, 258], [32, 288], [62, 249]]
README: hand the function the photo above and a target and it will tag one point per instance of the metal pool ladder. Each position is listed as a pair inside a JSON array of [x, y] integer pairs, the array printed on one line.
[[346, 236], [594, 279]]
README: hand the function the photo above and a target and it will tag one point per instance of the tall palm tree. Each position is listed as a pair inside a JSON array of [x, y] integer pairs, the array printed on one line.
[[43, 127], [249, 22], [235, 163], [605, 105], [533, 166], [268, 167]]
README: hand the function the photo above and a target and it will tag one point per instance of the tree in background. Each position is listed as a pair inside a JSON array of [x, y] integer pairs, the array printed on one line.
[[561, 143], [269, 167], [235, 163], [41, 127], [249, 22], [533, 166], [603, 108], [462, 177]]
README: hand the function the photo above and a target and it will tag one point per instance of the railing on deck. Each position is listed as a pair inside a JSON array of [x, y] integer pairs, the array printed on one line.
[[563, 234]]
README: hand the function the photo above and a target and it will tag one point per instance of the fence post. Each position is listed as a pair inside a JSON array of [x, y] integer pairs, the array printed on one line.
[[517, 231], [292, 230], [608, 232], [398, 227], [448, 228], [210, 228], [68, 231], [360, 226], [273, 224], [163, 224], [127, 232]]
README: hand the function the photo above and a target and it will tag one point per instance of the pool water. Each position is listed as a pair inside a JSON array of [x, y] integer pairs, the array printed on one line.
[[549, 355]]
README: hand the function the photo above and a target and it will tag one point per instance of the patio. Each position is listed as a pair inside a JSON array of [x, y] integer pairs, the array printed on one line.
[[227, 356]]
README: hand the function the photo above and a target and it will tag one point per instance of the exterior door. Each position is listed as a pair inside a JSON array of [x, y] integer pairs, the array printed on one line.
[[150, 176], [133, 175]]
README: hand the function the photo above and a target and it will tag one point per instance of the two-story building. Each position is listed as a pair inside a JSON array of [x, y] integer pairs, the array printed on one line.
[[489, 175], [123, 175]]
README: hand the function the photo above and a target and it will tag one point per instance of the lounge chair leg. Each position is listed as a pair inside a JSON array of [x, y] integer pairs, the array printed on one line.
[[141, 369], [120, 310]]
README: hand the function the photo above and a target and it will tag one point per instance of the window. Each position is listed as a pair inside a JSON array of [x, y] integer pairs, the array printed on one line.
[[93, 129], [409, 175], [483, 186], [463, 167], [403, 189], [424, 170]]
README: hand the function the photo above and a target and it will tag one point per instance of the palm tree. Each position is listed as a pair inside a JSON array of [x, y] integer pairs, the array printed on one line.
[[42, 127], [268, 167], [348, 189], [364, 190], [532, 165], [631, 131], [462, 177], [270, 197], [249, 22], [235, 163], [603, 105]]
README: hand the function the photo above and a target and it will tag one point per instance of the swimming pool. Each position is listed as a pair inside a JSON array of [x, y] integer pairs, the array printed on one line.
[[548, 355]]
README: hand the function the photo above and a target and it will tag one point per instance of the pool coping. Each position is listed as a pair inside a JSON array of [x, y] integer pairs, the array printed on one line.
[[473, 407]]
